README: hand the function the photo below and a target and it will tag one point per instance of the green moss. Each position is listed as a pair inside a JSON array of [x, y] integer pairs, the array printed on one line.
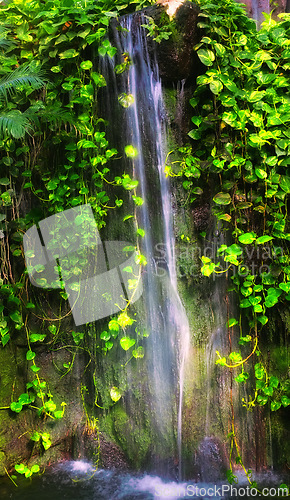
[[133, 438], [280, 359], [280, 439], [2, 461], [170, 100]]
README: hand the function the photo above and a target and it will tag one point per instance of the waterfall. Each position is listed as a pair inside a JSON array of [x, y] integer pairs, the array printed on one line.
[[258, 7], [144, 127]]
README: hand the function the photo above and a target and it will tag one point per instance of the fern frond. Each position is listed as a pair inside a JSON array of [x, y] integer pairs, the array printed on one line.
[[5, 43], [14, 124], [53, 114], [21, 77]]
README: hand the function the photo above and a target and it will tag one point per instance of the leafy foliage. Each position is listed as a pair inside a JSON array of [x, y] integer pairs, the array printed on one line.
[[23, 76], [54, 153], [241, 145]]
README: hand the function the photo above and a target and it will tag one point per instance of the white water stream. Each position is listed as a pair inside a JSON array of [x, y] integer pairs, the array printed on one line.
[[146, 131]]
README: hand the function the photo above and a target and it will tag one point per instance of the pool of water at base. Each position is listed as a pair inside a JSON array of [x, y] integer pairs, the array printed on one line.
[[78, 480]]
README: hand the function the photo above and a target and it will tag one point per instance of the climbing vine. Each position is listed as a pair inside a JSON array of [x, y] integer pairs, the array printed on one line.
[[241, 144], [54, 156]]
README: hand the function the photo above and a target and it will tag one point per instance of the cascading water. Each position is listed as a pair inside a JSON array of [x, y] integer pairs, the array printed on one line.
[[163, 370], [80, 481], [144, 127], [258, 8]]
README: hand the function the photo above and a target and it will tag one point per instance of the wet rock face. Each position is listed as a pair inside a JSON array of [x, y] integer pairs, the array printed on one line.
[[202, 217], [211, 462], [176, 57], [100, 450]]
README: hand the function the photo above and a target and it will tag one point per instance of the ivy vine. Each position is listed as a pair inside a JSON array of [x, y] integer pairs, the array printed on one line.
[[54, 155], [241, 145]]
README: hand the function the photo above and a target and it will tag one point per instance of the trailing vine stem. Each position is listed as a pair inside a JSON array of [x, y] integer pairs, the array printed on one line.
[[54, 156], [241, 118]]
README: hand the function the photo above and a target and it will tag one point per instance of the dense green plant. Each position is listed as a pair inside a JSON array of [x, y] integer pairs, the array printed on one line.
[[14, 123], [53, 153], [241, 142], [64, 160], [160, 31]]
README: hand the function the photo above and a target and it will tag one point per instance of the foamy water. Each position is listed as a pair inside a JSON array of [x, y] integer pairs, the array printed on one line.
[[80, 480]]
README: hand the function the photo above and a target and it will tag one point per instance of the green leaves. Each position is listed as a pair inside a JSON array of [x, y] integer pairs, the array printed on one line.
[[232, 322], [53, 328], [206, 56], [274, 382], [208, 266], [126, 100], [242, 377], [126, 343], [262, 174], [16, 407], [272, 296], [230, 118], [24, 76], [49, 406], [241, 129], [86, 144], [264, 239], [138, 353], [235, 357], [68, 54], [262, 400], [105, 336], [141, 232], [131, 151], [262, 319], [247, 238], [222, 361], [56, 69], [245, 340], [106, 48], [285, 401], [37, 337], [24, 399], [216, 86], [222, 198], [232, 253], [86, 65], [129, 183], [128, 269], [35, 436], [30, 355], [158, 32], [259, 371], [125, 320], [45, 440], [98, 79], [115, 394], [4, 181], [113, 325], [275, 405], [15, 124], [52, 184], [285, 287], [285, 183], [16, 317], [23, 469], [137, 200]]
